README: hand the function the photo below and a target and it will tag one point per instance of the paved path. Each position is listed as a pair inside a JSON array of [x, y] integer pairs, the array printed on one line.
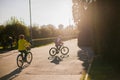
[[41, 68]]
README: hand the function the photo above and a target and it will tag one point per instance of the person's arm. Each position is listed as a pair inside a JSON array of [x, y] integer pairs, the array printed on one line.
[[27, 44]]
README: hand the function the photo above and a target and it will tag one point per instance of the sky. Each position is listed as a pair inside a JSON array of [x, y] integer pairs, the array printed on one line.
[[43, 12]]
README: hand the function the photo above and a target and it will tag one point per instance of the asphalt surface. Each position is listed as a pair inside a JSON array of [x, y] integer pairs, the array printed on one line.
[[68, 68]]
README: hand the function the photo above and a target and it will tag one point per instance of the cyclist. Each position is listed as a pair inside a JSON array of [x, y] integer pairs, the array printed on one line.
[[58, 42], [22, 45]]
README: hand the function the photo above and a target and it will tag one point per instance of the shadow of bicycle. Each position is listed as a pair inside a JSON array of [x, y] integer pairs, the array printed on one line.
[[56, 59], [14, 73]]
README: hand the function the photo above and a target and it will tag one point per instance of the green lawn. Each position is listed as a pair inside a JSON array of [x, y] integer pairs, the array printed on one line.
[[102, 71]]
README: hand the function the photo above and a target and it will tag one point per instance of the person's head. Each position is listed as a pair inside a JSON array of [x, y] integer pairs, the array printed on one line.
[[59, 36], [21, 36], [10, 37]]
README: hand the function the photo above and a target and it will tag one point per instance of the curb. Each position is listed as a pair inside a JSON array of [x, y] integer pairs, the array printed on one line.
[[86, 76]]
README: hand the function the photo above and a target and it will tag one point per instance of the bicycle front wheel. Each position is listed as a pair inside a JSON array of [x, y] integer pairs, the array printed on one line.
[[64, 50], [19, 60], [53, 51], [29, 57]]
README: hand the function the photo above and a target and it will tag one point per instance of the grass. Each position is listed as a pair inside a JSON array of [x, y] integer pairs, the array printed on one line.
[[100, 70], [83, 75], [1, 47]]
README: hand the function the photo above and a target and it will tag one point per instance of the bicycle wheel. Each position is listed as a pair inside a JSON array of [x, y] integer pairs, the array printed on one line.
[[53, 51], [29, 57], [19, 60], [64, 50]]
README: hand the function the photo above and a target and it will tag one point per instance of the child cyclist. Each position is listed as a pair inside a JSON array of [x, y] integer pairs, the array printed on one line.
[[58, 42], [23, 45]]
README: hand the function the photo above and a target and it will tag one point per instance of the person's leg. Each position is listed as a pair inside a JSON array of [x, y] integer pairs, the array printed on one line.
[[22, 54], [59, 46], [56, 46], [25, 55]]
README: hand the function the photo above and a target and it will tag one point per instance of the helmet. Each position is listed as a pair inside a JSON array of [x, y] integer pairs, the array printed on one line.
[[21, 36]]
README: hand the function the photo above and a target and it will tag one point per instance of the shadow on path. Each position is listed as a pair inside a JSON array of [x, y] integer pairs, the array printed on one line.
[[85, 54], [12, 74], [56, 60]]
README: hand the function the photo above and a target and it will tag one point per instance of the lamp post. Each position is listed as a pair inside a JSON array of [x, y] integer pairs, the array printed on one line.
[[30, 21]]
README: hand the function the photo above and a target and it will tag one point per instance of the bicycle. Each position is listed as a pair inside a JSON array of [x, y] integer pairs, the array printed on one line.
[[21, 58], [63, 49]]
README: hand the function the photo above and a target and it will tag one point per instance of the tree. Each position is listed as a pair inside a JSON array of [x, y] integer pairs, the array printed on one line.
[[45, 31], [35, 32], [103, 18], [108, 29], [83, 19], [13, 29], [60, 26], [53, 30], [2, 27]]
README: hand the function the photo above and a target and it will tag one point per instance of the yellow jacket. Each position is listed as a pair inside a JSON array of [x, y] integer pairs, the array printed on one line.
[[22, 43]]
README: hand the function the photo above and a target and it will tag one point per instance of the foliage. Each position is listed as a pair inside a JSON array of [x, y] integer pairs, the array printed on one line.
[[2, 34], [99, 25], [101, 70], [14, 28], [35, 32], [47, 31]]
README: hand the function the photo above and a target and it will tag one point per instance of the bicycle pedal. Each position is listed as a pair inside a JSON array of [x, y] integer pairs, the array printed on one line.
[[20, 60]]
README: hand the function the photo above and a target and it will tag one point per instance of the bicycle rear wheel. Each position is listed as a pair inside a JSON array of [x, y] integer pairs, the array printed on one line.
[[64, 50], [29, 57], [53, 51], [19, 60]]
